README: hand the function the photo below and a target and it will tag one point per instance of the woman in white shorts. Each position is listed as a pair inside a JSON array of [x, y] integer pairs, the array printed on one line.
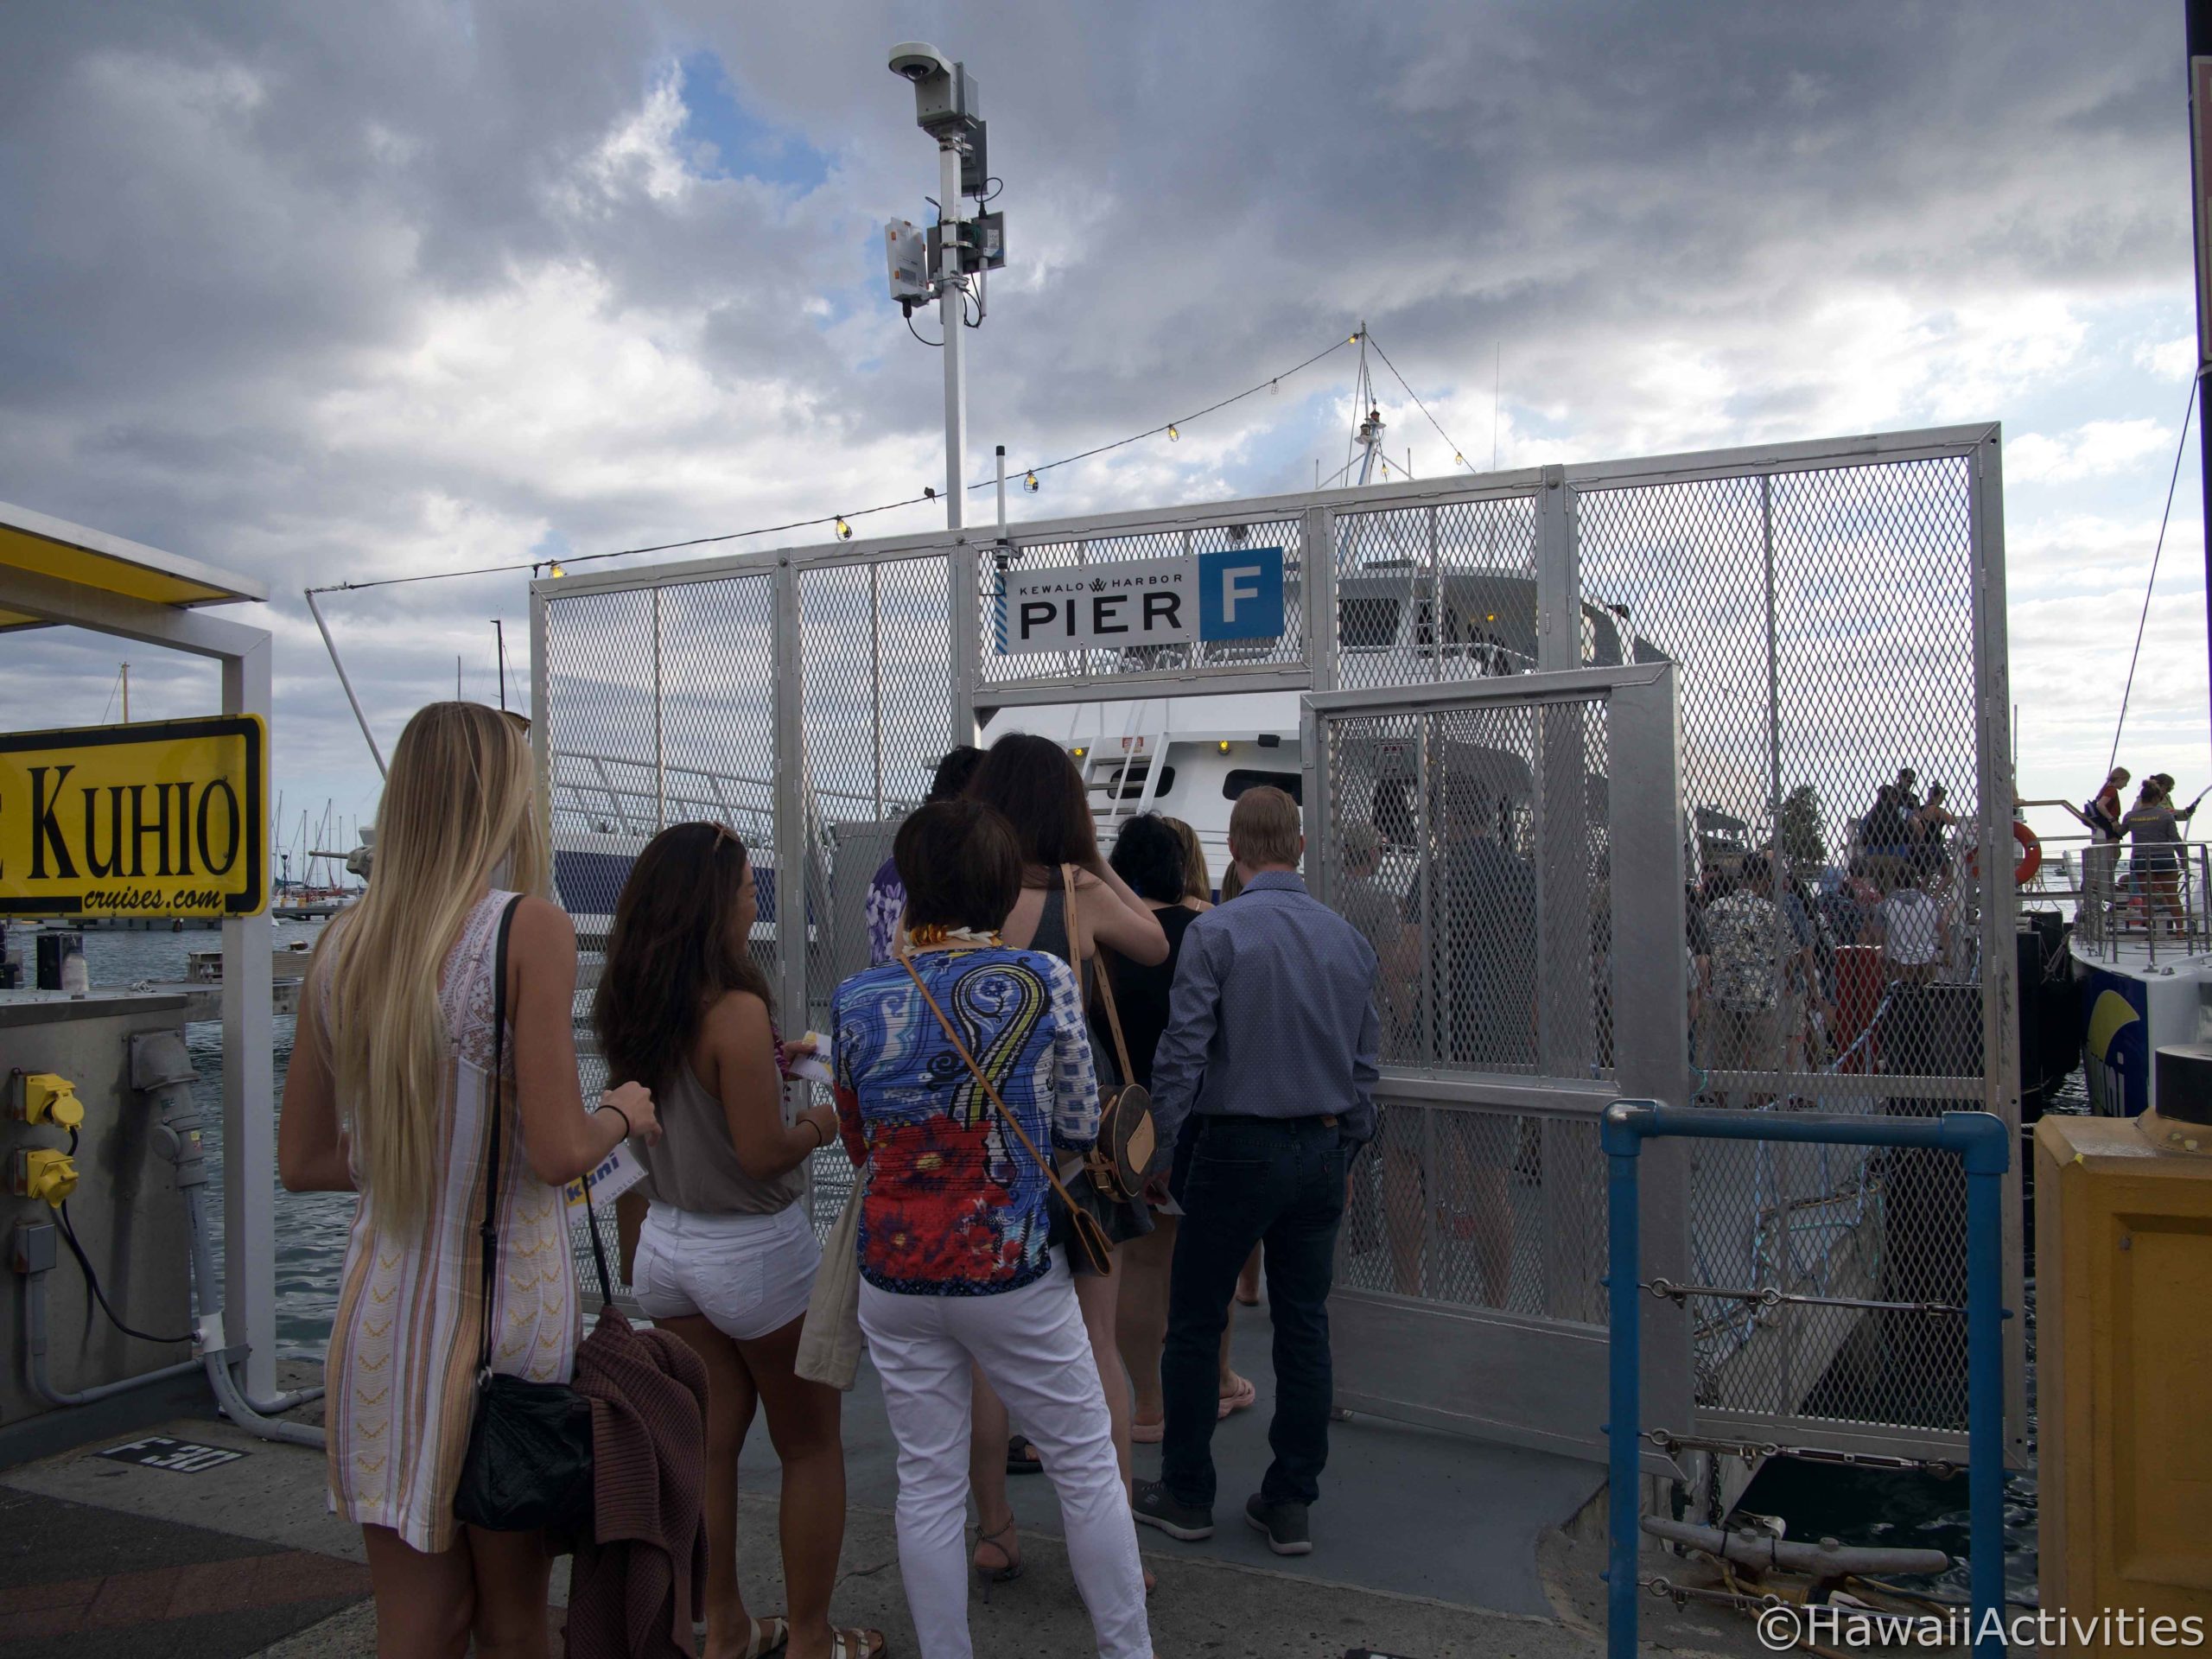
[[726, 1258]]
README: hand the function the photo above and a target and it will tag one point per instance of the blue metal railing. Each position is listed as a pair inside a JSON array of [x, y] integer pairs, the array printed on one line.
[[1983, 1146]]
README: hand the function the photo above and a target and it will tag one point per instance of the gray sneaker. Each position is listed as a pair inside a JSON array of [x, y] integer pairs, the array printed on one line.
[[1284, 1523], [1155, 1506]]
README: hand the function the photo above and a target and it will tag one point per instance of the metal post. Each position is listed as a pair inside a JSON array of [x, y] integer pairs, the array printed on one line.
[[359, 719], [952, 319], [1987, 1153], [500, 634], [249, 1095], [660, 737], [1317, 576], [1625, 1430], [2198, 26]]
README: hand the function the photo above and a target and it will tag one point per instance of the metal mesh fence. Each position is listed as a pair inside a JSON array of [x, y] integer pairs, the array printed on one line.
[[1822, 618], [1433, 593], [1825, 625], [1469, 846]]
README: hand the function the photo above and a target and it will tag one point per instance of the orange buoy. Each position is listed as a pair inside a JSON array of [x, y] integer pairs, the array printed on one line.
[[2030, 856]]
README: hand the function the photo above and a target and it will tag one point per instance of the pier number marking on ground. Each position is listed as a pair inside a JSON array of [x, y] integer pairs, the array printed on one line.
[[160, 818], [180, 1456], [1237, 594]]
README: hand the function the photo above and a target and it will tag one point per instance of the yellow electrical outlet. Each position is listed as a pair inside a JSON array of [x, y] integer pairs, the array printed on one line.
[[48, 1098], [42, 1173]]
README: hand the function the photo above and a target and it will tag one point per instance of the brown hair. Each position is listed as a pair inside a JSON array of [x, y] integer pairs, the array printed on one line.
[[1263, 827], [1198, 880], [669, 957], [960, 865], [1031, 782]]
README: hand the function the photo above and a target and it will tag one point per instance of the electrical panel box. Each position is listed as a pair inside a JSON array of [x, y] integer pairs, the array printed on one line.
[[907, 251]]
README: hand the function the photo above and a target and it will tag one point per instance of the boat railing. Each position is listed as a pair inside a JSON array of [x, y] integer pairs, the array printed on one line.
[[624, 794], [2126, 902]]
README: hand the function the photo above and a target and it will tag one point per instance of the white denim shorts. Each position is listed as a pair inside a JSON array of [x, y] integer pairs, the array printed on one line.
[[750, 1274]]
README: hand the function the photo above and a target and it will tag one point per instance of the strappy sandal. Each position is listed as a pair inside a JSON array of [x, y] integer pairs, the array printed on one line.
[[987, 1576], [1022, 1457], [1242, 1397], [765, 1637], [858, 1644]]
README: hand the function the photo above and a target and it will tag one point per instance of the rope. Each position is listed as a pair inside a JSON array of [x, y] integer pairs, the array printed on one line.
[[2150, 587]]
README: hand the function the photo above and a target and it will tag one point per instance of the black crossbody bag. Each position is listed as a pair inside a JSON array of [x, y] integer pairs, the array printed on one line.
[[529, 1460]]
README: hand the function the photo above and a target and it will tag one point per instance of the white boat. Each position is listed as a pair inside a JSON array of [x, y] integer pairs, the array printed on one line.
[[2145, 983]]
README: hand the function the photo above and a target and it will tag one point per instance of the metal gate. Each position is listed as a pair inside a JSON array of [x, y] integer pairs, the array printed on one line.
[[1830, 612], [1512, 849]]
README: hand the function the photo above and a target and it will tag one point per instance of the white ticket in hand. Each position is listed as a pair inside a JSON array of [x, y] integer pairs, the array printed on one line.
[[814, 1067], [613, 1176]]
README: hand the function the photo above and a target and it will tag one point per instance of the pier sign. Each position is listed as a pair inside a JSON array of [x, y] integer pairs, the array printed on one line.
[[1237, 595], [160, 818]]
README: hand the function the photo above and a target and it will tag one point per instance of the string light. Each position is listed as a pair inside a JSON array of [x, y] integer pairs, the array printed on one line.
[[843, 529]]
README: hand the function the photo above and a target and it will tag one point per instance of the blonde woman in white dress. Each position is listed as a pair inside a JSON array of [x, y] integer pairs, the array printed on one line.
[[390, 1095]]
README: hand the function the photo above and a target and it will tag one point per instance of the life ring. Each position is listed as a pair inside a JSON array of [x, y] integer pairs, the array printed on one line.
[[2030, 856]]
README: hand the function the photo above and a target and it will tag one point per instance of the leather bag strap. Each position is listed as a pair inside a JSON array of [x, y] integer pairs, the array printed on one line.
[[976, 1072], [487, 1232], [1105, 975]]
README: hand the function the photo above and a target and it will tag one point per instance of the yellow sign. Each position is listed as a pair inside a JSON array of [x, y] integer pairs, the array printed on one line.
[[162, 818]]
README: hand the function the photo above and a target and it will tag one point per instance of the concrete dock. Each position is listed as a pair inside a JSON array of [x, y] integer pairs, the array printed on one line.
[[1426, 1547]]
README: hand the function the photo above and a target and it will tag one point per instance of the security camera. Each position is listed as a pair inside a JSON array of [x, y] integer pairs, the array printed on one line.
[[918, 60]]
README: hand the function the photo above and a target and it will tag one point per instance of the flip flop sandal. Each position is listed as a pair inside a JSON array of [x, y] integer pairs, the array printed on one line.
[[1148, 1433], [858, 1644], [1242, 1397], [1022, 1457]]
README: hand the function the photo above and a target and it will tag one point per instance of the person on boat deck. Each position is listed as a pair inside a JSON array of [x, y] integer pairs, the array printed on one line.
[[886, 894], [1271, 1042], [2153, 825], [1912, 931], [1742, 970], [1470, 916], [390, 1096]]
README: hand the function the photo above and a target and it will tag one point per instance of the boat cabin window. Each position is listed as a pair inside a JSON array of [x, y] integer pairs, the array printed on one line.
[[1130, 780], [1241, 778], [1367, 621]]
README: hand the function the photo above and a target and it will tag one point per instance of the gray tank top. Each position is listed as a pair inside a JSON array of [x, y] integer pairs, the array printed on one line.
[[695, 1166]]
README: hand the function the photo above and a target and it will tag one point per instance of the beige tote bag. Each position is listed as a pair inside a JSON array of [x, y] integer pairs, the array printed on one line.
[[830, 1338]]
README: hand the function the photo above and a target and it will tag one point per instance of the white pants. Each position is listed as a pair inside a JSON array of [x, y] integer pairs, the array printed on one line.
[[1034, 1349]]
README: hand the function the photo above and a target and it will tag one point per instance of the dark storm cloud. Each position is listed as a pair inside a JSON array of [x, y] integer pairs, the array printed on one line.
[[327, 291]]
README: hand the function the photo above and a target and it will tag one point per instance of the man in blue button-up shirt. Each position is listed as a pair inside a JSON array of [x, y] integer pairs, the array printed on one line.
[[1270, 1048]]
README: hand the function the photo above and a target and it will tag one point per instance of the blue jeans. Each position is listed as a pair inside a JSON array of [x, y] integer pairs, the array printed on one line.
[[1251, 1180]]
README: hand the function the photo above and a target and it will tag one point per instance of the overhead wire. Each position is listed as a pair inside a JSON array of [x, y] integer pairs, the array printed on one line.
[[2151, 586], [835, 517], [1458, 453]]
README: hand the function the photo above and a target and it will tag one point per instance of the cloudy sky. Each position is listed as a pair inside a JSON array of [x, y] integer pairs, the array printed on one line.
[[329, 293]]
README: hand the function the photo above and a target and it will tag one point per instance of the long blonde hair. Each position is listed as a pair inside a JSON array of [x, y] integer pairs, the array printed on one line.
[[457, 806]]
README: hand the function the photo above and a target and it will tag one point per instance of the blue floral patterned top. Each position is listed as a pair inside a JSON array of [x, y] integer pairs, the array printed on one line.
[[955, 1204]]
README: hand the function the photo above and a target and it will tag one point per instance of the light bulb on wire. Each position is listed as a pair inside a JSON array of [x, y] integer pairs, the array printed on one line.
[[1029, 482], [1173, 437], [844, 529], [556, 570]]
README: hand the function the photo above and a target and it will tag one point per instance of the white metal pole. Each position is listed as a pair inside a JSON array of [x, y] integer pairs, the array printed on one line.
[[249, 1294], [952, 319], [359, 719], [1001, 474]]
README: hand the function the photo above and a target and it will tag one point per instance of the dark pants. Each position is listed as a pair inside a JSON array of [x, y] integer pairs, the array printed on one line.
[[1253, 1181]]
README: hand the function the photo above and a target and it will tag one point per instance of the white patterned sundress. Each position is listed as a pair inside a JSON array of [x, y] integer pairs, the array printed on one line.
[[401, 1376]]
